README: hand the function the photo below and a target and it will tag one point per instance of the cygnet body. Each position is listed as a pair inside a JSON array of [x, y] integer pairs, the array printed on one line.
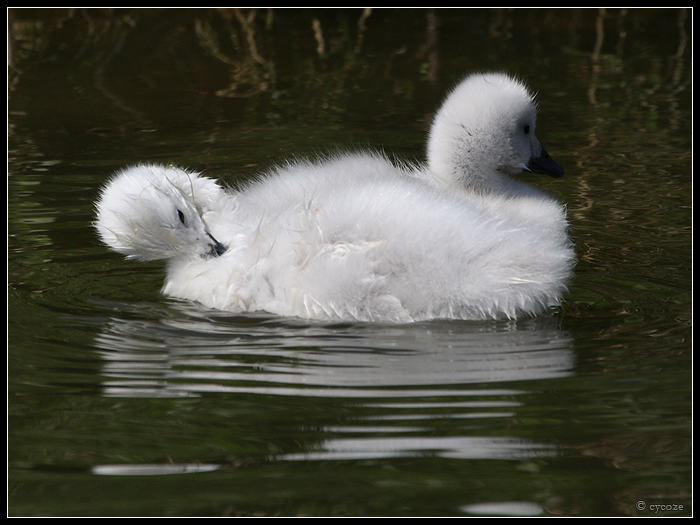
[[356, 237]]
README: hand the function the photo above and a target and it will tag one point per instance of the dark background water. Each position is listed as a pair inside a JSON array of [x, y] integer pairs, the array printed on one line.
[[123, 402]]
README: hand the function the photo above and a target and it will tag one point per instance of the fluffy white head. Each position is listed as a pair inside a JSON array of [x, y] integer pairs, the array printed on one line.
[[153, 212], [485, 128]]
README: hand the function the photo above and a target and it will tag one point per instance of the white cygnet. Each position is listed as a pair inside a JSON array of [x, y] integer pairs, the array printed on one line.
[[356, 237]]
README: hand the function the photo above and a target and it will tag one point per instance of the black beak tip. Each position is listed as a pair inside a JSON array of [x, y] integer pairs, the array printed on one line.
[[217, 248], [545, 165], [557, 174]]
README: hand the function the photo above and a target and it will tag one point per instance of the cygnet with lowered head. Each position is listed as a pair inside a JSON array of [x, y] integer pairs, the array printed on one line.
[[152, 212], [355, 237]]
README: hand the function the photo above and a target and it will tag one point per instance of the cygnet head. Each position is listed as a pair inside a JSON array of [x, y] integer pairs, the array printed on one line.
[[484, 131], [156, 212]]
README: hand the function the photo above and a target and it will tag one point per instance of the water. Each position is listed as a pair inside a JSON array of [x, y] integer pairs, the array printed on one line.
[[124, 403]]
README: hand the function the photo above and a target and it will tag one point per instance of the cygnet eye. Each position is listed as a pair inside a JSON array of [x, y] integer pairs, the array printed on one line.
[[182, 217], [526, 129]]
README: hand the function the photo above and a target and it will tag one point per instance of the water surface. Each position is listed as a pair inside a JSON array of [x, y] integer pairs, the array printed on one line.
[[122, 402]]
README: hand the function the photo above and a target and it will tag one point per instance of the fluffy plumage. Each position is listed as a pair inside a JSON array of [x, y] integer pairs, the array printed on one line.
[[354, 237]]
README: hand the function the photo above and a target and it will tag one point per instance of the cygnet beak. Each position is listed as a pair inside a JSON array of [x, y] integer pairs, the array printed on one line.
[[545, 165], [217, 249]]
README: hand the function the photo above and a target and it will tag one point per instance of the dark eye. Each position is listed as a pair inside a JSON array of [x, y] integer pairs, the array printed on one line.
[[526, 129], [181, 216]]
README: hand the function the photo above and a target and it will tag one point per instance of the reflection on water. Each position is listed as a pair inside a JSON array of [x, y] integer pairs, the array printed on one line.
[[187, 356], [445, 447], [504, 508], [151, 470], [403, 377]]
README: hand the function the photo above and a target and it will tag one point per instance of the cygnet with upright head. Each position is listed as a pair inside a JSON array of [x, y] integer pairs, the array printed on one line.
[[355, 237], [484, 132]]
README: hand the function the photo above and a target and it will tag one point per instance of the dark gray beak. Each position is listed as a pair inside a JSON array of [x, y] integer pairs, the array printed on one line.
[[217, 248], [545, 165]]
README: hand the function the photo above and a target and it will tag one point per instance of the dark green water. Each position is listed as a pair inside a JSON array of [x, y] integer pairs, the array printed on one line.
[[122, 402]]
